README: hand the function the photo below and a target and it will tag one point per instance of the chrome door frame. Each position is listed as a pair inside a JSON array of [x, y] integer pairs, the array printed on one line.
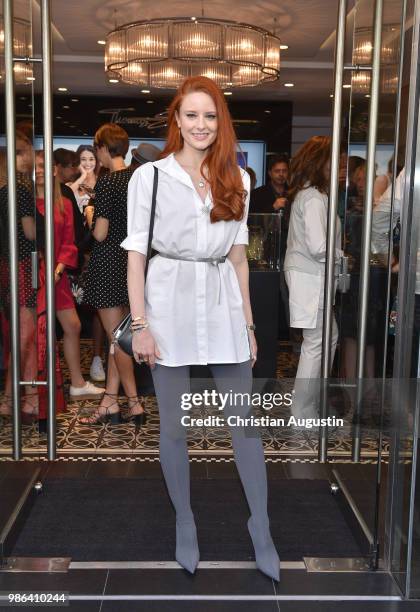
[[49, 222]]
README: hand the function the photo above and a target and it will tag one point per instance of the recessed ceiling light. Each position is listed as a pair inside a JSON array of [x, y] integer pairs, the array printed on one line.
[[62, 89], [289, 84], [150, 101], [30, 78], [193, 18], [101, 42], [113, 80], [58, 117], [66, 107], [145, 91], [367, 95], [227, 93], [284, 47], [331, 95], [74, 99], [347, 86], [268, 112]]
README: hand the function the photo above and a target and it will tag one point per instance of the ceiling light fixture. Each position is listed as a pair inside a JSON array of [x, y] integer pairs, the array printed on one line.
[[145, 91], [22, 47], [289, 84], [161, 53], [101, 42], [347, 86], [362, 56], [284, 47], [62, 89], [113, 80]]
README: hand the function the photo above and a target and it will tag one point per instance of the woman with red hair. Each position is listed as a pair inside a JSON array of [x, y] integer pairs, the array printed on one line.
[[194, 308]]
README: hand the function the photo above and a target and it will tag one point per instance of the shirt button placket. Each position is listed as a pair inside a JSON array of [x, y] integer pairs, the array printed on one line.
[[201, 273]]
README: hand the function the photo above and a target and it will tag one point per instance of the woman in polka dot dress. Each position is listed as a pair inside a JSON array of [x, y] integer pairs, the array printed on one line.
[[106, 282]]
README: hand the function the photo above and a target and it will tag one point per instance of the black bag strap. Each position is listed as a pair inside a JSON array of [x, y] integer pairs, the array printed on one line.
[[152, 220]]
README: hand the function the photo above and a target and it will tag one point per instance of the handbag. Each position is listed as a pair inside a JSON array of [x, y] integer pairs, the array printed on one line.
[[122, 334]]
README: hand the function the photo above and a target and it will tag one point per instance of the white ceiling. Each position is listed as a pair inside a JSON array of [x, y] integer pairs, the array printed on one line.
[[307, 26]]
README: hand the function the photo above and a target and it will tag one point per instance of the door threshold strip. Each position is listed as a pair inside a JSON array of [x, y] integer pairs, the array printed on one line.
[[207, 565]]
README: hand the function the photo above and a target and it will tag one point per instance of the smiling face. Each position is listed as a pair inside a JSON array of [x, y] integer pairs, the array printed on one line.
[[88, 161], [197, 120]]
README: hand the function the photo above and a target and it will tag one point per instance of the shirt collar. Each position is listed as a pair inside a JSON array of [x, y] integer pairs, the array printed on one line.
[[170, 166]]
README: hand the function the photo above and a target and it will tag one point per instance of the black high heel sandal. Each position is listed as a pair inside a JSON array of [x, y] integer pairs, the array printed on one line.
[[139, 418], [28, 417], [100, 418]]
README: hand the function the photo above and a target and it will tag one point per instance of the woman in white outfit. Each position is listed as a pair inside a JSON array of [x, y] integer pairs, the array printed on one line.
[[195, 307], [304, 264]]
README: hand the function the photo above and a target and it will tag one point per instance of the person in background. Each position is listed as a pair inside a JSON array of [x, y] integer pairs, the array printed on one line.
[[143, 153], [273, 196], [252, 176], [304, 263], [67, 164], [83, 188], [26, 232], [66, 255], [106, 281]]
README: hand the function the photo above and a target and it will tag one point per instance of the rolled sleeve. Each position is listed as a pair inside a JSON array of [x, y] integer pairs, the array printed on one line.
[[242, 235], [139, 204]]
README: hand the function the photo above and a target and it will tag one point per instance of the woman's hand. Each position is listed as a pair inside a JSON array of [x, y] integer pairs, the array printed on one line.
[[253, 346], [145, 348], [83, 174]]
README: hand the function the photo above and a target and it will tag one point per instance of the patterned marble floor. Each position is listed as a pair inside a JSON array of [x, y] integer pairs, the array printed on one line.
[[125, 440]]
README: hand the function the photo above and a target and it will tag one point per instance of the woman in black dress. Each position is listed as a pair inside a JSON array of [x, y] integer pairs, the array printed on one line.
[[106, 282], [26, 245]]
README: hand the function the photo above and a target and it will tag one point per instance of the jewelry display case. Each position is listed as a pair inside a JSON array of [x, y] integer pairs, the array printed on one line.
[[263, 250]]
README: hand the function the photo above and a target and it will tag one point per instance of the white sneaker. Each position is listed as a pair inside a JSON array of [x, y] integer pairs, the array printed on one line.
[[89, 391], [97, 371]]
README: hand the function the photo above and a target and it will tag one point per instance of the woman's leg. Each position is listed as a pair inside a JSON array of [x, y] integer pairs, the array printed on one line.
[[120, 365], [170, 384], [98, 336], [70, 323], [249, 459], [307, 384]]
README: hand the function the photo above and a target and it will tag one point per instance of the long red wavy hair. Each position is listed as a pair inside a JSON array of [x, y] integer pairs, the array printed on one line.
[[220, 165]]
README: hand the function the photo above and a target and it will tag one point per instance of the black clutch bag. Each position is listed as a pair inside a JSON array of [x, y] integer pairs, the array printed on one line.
[[122, 334]]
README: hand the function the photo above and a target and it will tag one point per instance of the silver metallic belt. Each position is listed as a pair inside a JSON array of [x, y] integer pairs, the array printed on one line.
[[215, 261]]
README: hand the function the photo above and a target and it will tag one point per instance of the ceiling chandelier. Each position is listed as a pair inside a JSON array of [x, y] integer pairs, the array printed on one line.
[[22, 47], [163, 52], [362, 56]]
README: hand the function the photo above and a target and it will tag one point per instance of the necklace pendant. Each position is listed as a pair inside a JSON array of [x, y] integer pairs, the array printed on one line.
[[201, 183]]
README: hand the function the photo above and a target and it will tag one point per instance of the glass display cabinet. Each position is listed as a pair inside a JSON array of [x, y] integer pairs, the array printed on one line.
[[263, 250]]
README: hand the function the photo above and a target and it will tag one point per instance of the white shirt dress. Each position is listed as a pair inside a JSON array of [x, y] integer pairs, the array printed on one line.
[[194, 309]]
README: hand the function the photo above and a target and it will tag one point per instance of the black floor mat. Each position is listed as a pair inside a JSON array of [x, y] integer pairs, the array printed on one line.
[[132, 520]]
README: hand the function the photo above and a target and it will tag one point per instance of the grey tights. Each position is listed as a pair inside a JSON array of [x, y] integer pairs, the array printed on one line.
[[170, 383]]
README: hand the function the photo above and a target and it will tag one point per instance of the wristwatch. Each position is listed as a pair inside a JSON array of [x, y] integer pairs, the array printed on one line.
[[251, 327]]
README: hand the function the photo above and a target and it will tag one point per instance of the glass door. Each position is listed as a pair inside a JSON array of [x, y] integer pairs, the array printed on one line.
[[19, 252], [364, 363]]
